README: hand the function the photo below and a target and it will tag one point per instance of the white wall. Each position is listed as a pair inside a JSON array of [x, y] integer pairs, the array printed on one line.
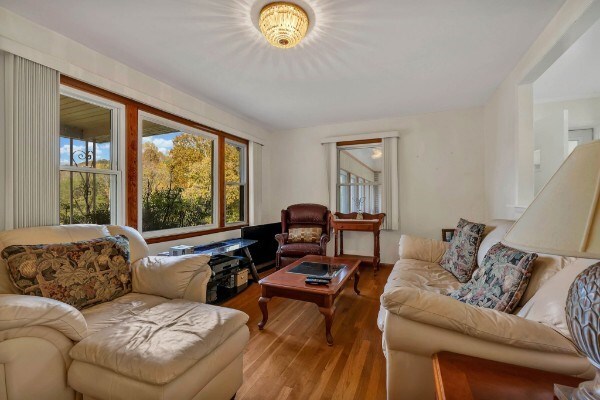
[[27, 39], [441, 173], [508, 114], [583, 113], [2, 141], [551, 136]]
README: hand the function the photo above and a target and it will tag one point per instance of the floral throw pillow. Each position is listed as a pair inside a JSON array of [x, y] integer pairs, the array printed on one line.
[[304, 235], [461, 257], [80, 274], [501, 280]]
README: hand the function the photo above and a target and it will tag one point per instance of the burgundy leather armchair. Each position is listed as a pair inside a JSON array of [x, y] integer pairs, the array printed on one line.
[[302, 216]]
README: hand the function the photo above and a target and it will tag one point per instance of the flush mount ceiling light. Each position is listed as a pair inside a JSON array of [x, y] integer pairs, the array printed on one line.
[[376, 153], [283, 24]]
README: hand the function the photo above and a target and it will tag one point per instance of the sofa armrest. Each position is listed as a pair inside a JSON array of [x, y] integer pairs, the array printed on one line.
[[182, 277], [423, 249], [21, 311], [482, 323]]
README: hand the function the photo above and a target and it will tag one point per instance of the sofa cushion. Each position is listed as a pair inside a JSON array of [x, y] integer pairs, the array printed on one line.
[[161, 343], [548, 304], [105, 315], [421, 275], [80, 273], [545, 267], [429, 276], [500, 281], [300, 249], [43, 235], [304, 235], [461, 257], [424, 249], [494, 233]]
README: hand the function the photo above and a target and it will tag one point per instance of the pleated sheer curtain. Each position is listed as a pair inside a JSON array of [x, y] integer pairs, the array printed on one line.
[[31, 157], [390, 201], [255, 202]]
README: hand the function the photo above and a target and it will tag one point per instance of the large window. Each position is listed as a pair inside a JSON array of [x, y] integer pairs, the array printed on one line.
[[359, 172], [124, 162], [89, 164], [235, 182], [178, 174]]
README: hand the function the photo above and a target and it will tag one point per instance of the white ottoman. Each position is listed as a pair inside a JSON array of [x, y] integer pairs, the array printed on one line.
[[175, 350]]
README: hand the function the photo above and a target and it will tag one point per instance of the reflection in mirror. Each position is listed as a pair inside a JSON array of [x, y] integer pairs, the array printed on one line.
[[359, 178], [566, 105]]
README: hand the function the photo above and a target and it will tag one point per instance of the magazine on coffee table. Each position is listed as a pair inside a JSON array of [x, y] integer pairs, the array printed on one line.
[[317, 269]]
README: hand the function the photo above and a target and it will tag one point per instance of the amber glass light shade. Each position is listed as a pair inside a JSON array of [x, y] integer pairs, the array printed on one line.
[[283, 24]]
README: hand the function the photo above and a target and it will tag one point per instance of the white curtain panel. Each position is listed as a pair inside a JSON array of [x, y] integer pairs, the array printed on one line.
[[32, 135], [390, 200], [255, 151], [332, 171]]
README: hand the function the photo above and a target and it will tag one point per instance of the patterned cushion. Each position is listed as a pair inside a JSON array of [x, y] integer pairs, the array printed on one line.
[[461, 257], [80, 274], [500, 281], [304, 235]]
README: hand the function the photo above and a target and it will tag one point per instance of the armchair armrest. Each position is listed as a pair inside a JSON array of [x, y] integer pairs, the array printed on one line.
[[423, 249], [482, 323], [281, 238], [323, 243], [182, 277], [19, 311]]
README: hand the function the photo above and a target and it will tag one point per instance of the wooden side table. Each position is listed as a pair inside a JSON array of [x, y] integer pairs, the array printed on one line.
[[348, 222], [460, 377]]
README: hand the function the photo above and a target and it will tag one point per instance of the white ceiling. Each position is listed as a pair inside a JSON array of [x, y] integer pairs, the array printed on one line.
[[576, 74], [364, 59], [364, 155]]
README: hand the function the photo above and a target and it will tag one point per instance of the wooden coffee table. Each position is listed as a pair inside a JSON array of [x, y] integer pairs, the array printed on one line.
[[292, 286]]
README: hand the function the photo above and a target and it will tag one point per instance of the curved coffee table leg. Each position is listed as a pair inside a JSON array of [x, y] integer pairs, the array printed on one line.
[[328, 313], [262, 302], [356, 279]]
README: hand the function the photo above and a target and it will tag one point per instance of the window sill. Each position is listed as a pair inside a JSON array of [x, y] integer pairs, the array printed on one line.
[[186, 235]]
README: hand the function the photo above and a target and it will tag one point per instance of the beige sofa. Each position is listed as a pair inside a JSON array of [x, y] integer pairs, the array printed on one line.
[[158, 342], [418, 319]]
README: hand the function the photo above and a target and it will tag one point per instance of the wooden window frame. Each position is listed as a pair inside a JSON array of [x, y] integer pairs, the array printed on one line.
[[132, 110]]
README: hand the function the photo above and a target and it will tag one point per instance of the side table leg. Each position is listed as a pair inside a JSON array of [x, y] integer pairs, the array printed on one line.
[[328, 313], [335, 242], [377, 252], [252, 266], [262, 303], [356, 279]]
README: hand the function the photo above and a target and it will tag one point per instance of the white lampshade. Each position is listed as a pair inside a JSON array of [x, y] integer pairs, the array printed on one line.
[[564, 218]]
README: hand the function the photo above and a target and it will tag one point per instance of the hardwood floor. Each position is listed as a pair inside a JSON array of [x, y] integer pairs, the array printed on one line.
[[290, 358]]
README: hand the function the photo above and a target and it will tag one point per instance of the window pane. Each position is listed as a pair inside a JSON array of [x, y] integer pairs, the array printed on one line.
[[345, 199], [177, 178], [84, 198], [85, 134], [233, 163], [234, 200], [234, 173]]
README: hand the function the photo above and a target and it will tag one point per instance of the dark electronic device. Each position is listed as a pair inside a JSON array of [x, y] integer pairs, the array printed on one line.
[[263, 253], [316, 281]]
